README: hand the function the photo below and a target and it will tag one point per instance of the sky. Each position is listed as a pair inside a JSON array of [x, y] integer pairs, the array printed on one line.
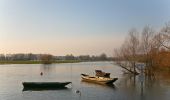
[[77, 27]]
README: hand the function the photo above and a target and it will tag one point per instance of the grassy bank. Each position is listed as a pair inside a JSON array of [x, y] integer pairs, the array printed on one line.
[[38, 62]]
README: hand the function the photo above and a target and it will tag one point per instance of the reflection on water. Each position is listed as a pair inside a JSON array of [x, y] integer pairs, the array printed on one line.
[[44, 89], [143, 88], [110, 86], [127, 87], [47, 67]]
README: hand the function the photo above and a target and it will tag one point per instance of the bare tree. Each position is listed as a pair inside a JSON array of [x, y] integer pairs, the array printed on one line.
[[164, 36], [129, 51], [133, 46], [147, 47]]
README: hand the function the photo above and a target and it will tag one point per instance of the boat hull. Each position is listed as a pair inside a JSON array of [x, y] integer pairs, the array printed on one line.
[[45, 84], [98, 80]]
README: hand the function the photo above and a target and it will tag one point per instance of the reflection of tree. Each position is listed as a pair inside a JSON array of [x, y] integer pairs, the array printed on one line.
[[47, 68], [129, 81], [163, 77], [146, 87]]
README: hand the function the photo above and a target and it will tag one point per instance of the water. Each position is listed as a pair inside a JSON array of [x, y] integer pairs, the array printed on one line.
[[126, 88]]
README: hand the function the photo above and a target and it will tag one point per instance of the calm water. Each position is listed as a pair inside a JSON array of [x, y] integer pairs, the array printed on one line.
[[126, 88]]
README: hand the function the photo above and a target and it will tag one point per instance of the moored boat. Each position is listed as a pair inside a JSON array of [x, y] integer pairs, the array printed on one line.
[[98, 80], [45, 84]]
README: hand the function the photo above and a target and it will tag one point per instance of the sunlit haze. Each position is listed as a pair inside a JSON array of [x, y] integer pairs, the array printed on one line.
[[77, 27]]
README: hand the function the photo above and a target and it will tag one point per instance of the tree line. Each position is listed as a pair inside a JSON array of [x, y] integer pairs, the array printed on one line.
[[47, 57]]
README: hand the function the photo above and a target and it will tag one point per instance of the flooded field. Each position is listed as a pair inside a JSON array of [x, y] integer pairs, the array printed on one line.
[[126, 88]]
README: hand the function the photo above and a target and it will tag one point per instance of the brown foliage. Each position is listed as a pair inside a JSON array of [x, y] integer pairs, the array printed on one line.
[[162, 59]]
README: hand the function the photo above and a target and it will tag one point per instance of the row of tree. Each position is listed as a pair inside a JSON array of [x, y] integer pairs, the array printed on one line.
[[102, 57], [30, 56], [47, 58], [149, 47]]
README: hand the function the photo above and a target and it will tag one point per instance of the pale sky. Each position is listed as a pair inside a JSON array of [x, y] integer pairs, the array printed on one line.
[[78, 27]]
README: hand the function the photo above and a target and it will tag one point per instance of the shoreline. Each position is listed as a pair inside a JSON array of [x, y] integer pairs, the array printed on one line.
[[37, 62], [40, 62]]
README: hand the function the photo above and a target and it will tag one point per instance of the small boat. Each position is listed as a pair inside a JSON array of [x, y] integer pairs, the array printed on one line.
[[99, 80], [100, 73], [47, 85], [44, 89]]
